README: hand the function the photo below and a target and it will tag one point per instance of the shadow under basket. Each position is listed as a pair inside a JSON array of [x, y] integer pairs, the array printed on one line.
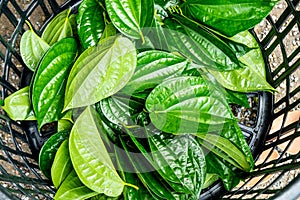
[[276, 150]]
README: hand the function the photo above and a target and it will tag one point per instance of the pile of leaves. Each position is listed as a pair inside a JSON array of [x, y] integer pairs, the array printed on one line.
[[140, 93]]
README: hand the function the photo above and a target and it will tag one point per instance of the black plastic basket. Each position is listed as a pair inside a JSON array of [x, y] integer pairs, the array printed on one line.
[[277, 151]]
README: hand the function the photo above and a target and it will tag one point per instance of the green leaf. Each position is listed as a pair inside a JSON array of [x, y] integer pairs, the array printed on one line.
[[180, 160], [225, 149], [100, 72], [153, 67], [32, 48], [90, 22], [63, 124], [229, 16], [120, 110], [62, 165], [144, 170], [131, 16], [237, 98], [209, 180], [48, 151], [228, 173], [187, 105], [90, 158], [200, 45], [59, 27], [109, 31], [48, 86], [17, 105], [73, 188]]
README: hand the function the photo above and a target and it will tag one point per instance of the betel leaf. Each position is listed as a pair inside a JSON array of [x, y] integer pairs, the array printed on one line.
[[90, 158], [180, 160], [225, 149], [62, 165], [210, 179], [222, 169], [187, 105], [153, 67], [131, 16], [199, 45], [229, 16], [49, 82], [17, 105], [73, 188], [48, 151], [109, 31], [120, 110], [59, 27], [90, 22], [32, 48], [100, 72], [145, 172], [237, 98]]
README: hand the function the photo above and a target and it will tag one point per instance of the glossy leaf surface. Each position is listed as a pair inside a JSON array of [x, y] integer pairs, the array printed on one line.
[[17, 105], [73, 188], [100, 72], [62, 165], [90, 158], [32, 49], [187, 105], [131, 16], [50, 79], [90, 22], [180, 159], [48, 151], [227, 16], [225, 149], [200, 46], [153, 67], [59, 27]]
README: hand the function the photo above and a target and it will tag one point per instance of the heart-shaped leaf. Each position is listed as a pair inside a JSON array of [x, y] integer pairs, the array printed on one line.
[[131, 16], [32, 48], [73, 188], [90, 22], [62, 165], [59, 27], [187, 105], [49, 82], [227, 16], [100, 72], [153, 67], [90, 158]]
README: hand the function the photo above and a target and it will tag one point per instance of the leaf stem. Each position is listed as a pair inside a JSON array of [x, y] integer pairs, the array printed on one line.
[[29, 25], [131, 185]]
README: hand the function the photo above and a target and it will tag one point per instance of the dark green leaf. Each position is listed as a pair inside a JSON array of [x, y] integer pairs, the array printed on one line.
[[100, 72], [62, 165], [153, 67], [226, 171], [180, 160], [187, 105], [17, 105], [90, 22], [237, 98], [145, 173], [228, 16], [225, 149], [90, 158], [59, 27], [49, 82], [200, 45], [32, 48], [131, 16], [48, 151], [73, 188]]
